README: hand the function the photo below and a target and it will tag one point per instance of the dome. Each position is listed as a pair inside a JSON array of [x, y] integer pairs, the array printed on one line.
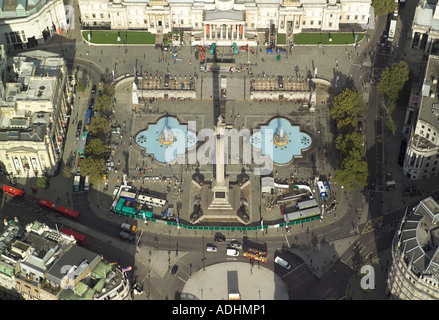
[[224, 4]]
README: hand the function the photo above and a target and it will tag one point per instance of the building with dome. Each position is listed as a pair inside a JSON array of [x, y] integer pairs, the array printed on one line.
[[414, 274], [226, 21]]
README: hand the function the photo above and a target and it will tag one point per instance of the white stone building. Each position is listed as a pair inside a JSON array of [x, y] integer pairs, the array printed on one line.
[[33, 114], [27, 23], [414, 273], [421, 159], [226, 21]]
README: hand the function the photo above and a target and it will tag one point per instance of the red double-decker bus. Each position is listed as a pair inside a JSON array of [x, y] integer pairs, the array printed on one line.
[[13, 192], [47, 204], [80, 238], [69, 213]]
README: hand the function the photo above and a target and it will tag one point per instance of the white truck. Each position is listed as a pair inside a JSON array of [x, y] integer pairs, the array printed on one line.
[[392, 29], [76, 182], [86, 184]]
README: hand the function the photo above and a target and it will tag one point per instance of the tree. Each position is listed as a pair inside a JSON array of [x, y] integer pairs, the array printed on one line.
[[347, 143], [93, 168], [103, 104], [392, 81], [43, 182], [352, 172], [345, 107], [80, 87], [383, 7], [95, 148], [108, 89], [99, 127], [391, 126]]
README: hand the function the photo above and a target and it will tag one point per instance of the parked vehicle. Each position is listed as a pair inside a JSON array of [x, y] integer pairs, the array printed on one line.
[[211, 248], [219, 237], [93, 89], [282, 263], [236, 245], [232, 252]]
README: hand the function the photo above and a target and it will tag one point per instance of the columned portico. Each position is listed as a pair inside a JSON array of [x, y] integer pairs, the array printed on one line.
[[224, 33]]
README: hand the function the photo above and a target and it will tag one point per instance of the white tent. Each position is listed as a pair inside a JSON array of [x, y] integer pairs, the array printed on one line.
[[267, 184]]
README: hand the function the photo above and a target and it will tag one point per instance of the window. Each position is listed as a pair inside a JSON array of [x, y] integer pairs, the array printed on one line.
[[348, 17], [356, 17], [93, 15]]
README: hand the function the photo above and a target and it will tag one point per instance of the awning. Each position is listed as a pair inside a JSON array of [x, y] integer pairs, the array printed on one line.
[[207, 29], [240, 29]]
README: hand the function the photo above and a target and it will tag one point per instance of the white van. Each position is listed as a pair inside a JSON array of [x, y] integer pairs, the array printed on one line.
[[211, 248], [232, 252], [282, 263], [86, 184]]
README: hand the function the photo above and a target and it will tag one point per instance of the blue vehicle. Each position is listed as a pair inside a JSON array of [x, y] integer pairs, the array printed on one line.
[[269, 50], [281, 50], [88, 116]]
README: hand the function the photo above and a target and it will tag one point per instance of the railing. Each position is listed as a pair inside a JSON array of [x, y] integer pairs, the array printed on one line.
[[223, 228]]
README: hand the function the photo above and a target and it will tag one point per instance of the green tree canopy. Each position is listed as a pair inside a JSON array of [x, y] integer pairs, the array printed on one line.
[[80, 87], [352, 172], [383, 7], [99, 127], [103, 104], [95, 148], [345, 107], [43, 182], [392, 81], [346, 143], [93, 168], [108, 89]]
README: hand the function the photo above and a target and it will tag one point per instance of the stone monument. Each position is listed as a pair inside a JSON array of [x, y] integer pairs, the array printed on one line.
[[220, 185]]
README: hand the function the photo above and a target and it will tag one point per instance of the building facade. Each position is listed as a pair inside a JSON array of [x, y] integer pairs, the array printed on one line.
[[34, 113], [40, 263], [421, 160], [225, 21], [414, 273], [425, 27], [25, 24]]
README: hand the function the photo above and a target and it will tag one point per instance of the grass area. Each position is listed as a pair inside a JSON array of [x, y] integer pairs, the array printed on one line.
[[128, 37], [281, 38], [337, 38]]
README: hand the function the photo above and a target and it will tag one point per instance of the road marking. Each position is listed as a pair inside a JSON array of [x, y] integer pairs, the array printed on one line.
[[288, 243], [181, 279], [373, 224]]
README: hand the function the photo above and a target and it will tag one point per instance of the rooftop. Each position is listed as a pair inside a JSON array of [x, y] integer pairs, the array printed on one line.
[[429, 108], [419, 238]]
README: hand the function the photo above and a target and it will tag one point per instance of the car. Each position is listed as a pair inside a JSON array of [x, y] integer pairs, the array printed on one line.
[[92, 103], [79, 127], [174, 269], [93, 89], [78, 134], [235, 245], [282, 263], [211, 248], [116, 190], [100, 93], [383, 41], [360, 126], [232, 252], [219, 237], [281, 50]]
